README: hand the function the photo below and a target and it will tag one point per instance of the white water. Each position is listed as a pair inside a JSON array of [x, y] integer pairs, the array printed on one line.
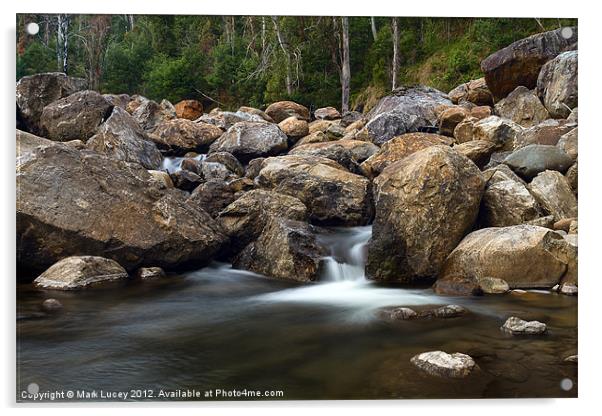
[[173, 164]]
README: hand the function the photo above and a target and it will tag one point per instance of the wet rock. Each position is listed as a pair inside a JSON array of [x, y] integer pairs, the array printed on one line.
[[442, 364], [425, 204], [396, 314], [149, 113], [327, 113], [450, 118], [385, 126], [475, 91], [523, 107], [520, 62], [189, 109], [525, 256], [493, 285], [34, 92], [458, 286], [186, 180], [150, 273], [571, 359], [399, 148], [332, 194], [294, 128], [281, 110], [479, 151], [256, 112], [568, 143], [499, 131], [212, 196], [533, 159], [448, 311], [191, 165], [568, 289], [52, 305], [121, 137], [554, 194], [419, 101], [133, 220], [557, 84], [573, 227], [76, 116], [77, 272], [249, 140], [179, 136], [517, 326], [286, 249]]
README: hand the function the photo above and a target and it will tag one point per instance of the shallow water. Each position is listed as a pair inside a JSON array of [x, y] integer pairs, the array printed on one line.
[[219, 328]]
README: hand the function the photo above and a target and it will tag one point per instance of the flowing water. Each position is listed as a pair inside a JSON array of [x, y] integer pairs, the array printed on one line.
[[173, 164], [219, 328]]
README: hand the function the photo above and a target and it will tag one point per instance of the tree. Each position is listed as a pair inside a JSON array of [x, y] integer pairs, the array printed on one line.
[[345, 72], [95, 39], [62, 42], [287, 55], [395, 64], [373, 26]]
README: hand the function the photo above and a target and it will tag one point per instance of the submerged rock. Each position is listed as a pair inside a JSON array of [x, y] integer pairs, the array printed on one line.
[[150, 273], [396, 314], [52, 305], [442, 364], [517, 326], [77, 272]]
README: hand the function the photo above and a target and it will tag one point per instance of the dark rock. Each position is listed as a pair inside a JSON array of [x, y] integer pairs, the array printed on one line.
[[52, 305], [179, 136], [212, 196], [148, 113], [384, 126], [418, 101], [533, 159], [150, 273]]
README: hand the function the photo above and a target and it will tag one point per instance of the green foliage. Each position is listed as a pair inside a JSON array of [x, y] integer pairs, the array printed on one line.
[[36, 58]]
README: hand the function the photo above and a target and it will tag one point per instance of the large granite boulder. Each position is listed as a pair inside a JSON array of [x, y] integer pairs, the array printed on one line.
[[180, 136], [557, 84], [520, 62], [479, 151], [77, 272], [523, 107], [150, 113], [75, 117], [525, 256], [332, 194], [189, 109], [547, 132], [327, 113], [74, 202], [399, 148], [568, 143], [499, 131], [384, 126], [226, 119], [425, 204], [475, 91], [533, 159], [419, 101], [122, 138], [34, 92], [554, 193], [287, 249], [281, 110], [249, 140]]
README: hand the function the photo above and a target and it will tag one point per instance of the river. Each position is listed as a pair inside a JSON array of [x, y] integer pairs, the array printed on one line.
[[219, 328]]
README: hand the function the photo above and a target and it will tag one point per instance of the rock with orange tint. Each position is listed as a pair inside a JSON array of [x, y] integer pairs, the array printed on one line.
[[189, 109]]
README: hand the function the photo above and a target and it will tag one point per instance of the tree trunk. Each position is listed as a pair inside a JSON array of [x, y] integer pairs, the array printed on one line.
[[373, 25], [62, 42], [287, 56], [345, 72], [395, 69], [96, 46]]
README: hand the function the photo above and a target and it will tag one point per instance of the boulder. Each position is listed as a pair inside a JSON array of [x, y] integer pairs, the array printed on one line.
[[517, 326], [479, 151], [333, 195], [385, 126], [118, 100], [418, 101], [442, 364], [480, 112], [554, 194], [574, 116], [249, 140], [450, 118], [523, 107], [217, 170], [226, 119], [568, 143], [244, 219], [186, 180], [327, 113], [557, 84], [34, 92], [256, 112], [533, 159], [122, 138], [319, 125], [189, 109], [475, 91], [316, 137], [447, 311], [507, 202], [463, 132], [287, 249], [281, 110], [294, 128], [161, 178], [399, 148], [500, 131], [347, 153], [571, 176], [80, 202], [351, 117], [212, 196], [149, 113], [520, 62], [493, 285], [425, 204], [76, 116], [228, 160], [568, 289], [150, 273], [77, 272], [179, 136], [525, 256], [547, 132]]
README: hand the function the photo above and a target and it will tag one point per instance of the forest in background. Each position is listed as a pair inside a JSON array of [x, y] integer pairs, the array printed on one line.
[[228, 61]]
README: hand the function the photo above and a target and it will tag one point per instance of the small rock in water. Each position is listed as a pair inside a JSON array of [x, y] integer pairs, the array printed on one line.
[[149, 273], [568, 289], [556, 288], [442, 364], [52, 305], [493, 285], [449, 311], [571, 359], [400, 313], [517, 326], [518, 291], [76, 272]]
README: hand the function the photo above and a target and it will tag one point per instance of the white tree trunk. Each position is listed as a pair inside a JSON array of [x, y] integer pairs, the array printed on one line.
[[345, 70], [287, 55], [373, 25], [62, 44], [395, 69]]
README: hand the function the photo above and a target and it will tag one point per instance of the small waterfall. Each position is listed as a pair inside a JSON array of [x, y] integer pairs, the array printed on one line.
[[347, 253], [173, 164]]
